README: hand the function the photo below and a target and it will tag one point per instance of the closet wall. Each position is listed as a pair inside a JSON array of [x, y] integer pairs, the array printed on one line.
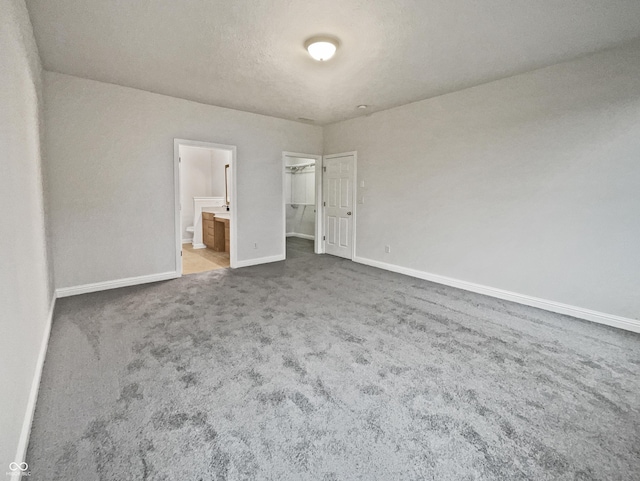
[[300, 197]]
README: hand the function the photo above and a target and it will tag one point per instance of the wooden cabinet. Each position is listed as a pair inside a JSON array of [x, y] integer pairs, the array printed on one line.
[[208, 230], [215, 232], [221, 234]]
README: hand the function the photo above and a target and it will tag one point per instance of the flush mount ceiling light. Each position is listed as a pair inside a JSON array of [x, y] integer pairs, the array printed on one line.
[[321, 48]]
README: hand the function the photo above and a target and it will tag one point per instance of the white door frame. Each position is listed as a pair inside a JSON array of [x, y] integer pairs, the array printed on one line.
[[233, 228], [354, 193], [319, 229]]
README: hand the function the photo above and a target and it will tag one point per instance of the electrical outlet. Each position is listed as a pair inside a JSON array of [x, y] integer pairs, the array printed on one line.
[[387, 249]]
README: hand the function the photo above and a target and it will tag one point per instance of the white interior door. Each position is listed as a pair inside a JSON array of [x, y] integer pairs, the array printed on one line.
[[339, 194]]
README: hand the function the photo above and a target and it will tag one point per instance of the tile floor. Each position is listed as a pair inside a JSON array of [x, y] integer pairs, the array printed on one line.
[[202, 260]]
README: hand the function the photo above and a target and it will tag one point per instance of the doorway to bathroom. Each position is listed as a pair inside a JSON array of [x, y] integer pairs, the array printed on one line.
[[206, 220], [302, 194]]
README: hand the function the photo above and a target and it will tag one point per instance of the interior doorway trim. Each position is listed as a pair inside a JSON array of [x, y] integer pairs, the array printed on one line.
[[233, 228], [318, 245]]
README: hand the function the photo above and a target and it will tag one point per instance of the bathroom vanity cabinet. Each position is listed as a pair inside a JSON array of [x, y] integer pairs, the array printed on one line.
[[208, 237], [215, 232], [221, 230]]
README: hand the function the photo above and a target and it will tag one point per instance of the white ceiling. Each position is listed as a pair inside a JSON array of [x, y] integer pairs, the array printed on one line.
[[249, 54]]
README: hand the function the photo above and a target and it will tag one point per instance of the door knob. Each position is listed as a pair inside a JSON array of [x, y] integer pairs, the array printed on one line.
[[348, 213]]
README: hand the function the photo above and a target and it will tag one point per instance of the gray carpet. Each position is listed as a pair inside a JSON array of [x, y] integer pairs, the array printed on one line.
[[318, 368]]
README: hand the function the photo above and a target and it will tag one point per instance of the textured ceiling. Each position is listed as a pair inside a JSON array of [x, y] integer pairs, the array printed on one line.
[[249, 54]]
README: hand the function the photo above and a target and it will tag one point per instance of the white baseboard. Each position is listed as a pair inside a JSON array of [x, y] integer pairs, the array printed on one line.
[[187, 241], [199, 246], [23, 443], [260, 260], [301, 236], [579, 312], [103, 286]]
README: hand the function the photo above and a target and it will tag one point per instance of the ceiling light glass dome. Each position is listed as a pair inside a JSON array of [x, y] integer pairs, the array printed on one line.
[[321, 48]]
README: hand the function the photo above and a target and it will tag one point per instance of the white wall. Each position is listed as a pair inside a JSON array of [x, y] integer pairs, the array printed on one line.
[[25, 293], [301, 219], [102, 138], [201, 175], [529, 184], [219, 158]]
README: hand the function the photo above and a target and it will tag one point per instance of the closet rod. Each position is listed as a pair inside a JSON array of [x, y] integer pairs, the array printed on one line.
[[300, 165]]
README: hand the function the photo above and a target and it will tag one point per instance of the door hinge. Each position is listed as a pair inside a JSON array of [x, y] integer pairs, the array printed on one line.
[[324, 169], [324, 204], [180, 253], [324, 237]]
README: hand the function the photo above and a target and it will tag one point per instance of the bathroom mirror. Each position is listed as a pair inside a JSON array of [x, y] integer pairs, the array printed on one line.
[[226, 184]]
